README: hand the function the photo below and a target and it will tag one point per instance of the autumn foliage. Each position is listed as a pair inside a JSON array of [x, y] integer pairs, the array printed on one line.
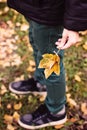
[[51, 63]]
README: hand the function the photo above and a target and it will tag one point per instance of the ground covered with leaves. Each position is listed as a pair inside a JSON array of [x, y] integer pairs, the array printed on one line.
[[17, 63]]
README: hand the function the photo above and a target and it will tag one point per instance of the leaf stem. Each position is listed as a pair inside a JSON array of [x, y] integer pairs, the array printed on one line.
[[57, 52]]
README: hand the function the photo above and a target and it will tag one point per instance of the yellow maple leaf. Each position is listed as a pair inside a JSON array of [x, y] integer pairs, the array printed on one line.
[[56, 68], [50, 63], [46, 63], [53, 57], [48, 72], [47, 55]]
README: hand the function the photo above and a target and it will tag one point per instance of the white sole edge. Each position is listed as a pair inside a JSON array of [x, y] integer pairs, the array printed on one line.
[[42, 126], [28, 92]]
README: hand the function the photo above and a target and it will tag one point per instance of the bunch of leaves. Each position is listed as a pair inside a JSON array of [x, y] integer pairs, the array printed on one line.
[[51, 63]]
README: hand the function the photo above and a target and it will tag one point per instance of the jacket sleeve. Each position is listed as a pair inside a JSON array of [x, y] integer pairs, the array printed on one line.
[[14, 5], [75, 17]]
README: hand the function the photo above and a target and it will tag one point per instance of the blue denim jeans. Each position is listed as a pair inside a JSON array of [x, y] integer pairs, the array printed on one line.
[[42, 39]]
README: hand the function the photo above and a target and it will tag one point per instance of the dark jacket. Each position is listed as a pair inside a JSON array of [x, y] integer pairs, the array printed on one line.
[[72, 14]]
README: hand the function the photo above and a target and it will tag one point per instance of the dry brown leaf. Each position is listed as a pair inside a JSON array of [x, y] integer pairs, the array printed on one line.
[[24, 27], [32, 63], [73, 120], [18, 24], [8, 118], [10, 127], [77, 78], [58, 126], [22, 77], [19, 78], [30, 48], [3, 90], [85, 46], [71, 102], [42, 98], [16, 116], [6, 64], [0, 103], [9, 106], [68, 95], [9, 22], [83, 32], [84, 108], [2, 0], [18, 106], [70, 120], [67, 88], [31, 69]]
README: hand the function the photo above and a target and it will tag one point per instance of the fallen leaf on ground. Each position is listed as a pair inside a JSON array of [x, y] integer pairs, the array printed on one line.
[[58, 126], [18, 106], [9, 106], [16, 116], [83, 32], [24, 27], [84, 108], [42, 98], [0, 102], [77, 78], [73, 120], [10, 127], [8, 118], [19, 78], [32, 63], [3, 90], [71, 101], [31, 69], [68, 95], [85, 46]]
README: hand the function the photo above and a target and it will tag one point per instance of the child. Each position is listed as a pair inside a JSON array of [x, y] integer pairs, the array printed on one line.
[[51, 21]]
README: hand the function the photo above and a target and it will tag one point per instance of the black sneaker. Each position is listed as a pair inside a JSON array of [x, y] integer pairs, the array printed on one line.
[[41, 118], [27, 86]]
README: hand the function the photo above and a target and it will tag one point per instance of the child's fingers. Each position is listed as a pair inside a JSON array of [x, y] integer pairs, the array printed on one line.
[[61, 42]]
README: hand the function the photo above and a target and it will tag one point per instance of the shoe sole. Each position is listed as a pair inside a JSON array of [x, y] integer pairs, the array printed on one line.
[[28, 92], [60, 122]]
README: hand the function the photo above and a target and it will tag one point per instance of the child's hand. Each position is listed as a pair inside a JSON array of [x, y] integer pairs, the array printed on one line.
[[68, 39]]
